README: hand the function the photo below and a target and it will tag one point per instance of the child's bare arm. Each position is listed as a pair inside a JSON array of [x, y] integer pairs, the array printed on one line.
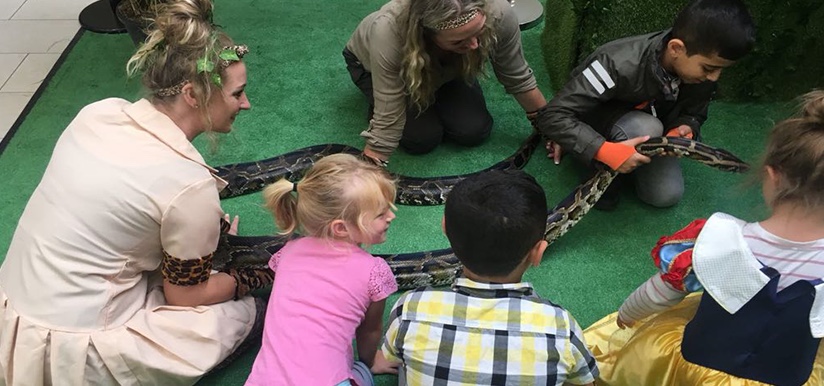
[[368, 334]]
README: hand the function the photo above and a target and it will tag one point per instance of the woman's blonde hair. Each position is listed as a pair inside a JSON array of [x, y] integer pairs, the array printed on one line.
[[181, 35], [338, 186], [795, 149], [418, 65]]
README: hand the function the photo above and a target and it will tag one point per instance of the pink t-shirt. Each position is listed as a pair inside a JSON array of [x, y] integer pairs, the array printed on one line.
[[321, 292]]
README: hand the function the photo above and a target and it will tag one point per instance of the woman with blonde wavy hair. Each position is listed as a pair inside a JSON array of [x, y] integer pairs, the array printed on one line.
[[108, 277], [418, 63]]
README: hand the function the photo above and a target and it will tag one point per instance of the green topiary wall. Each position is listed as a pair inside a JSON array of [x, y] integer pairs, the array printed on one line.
[[559, 40], [788, 59]]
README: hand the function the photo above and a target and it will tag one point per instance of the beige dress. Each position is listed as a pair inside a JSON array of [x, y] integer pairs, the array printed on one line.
[[80, 289]]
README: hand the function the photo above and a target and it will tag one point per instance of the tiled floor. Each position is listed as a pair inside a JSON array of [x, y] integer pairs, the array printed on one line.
[[33, 34]]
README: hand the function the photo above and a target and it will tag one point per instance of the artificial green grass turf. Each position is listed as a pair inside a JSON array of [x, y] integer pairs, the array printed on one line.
[[302, 95]]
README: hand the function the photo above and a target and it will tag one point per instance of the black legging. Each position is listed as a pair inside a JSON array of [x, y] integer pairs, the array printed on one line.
[[458, 112]]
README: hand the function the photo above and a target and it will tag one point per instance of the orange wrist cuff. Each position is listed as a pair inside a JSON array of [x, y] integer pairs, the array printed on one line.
[[614, 154], [675, 133]]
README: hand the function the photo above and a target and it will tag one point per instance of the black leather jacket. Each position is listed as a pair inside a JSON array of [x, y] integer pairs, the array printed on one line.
[[620, 76]]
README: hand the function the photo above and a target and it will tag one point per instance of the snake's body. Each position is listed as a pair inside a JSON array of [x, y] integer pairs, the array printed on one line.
[[438, 267], [249, 177]]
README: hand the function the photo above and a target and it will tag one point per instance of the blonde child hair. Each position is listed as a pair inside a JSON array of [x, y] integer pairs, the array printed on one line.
[[339, 186], [795, 149]]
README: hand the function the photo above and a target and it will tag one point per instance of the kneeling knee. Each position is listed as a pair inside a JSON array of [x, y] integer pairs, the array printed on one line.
[[662, 199], [419, 147], [472, 133], [471, 140], [638, 124]]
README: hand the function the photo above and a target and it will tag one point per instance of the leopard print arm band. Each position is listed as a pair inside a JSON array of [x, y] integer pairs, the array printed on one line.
[[186, 272]]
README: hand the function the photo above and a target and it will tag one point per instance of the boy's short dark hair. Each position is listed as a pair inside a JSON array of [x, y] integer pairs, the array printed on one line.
[[722, 27], [493, 219]]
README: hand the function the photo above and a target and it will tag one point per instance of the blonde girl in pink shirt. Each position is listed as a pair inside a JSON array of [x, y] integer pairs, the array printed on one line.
[[328, 289]]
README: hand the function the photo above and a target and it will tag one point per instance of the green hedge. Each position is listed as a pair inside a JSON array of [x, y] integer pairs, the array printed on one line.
[[559, 40], [788, 58]]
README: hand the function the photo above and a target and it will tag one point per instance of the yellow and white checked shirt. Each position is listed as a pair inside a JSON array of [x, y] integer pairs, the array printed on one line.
[[486, 334]]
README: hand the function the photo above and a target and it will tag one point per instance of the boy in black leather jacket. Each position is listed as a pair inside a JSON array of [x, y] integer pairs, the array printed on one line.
[[646, 86]]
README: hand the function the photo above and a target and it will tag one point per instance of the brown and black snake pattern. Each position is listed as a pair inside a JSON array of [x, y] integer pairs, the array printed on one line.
[[440, 267], [249, 177]]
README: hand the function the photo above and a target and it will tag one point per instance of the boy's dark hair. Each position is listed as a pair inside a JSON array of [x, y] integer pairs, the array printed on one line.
[[493, 219], [722, 27]]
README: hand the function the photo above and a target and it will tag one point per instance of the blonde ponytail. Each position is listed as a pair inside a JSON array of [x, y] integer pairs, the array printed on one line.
[[278, 198], [338, 186]]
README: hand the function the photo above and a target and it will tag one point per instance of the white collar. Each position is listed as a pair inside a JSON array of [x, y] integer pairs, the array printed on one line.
[[730, 273], [149, 118]]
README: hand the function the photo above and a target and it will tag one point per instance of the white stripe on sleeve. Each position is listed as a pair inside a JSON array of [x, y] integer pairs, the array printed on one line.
[[603, 74], [594, 81]]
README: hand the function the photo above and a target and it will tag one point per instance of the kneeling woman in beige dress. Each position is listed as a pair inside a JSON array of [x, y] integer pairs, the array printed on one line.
[[108, 278]]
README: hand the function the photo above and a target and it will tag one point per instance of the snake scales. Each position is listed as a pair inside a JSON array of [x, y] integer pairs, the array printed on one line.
[[437, 267], [248, 177]]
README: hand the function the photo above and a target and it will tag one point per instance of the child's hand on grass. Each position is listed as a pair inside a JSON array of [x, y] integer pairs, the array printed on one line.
[[381, 365]]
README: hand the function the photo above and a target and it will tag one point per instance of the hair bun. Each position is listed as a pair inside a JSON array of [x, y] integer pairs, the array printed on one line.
[[813, 106], [185, 21]]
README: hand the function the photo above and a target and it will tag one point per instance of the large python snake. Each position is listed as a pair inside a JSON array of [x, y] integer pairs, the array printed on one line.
[[437, 267], [248, 177]]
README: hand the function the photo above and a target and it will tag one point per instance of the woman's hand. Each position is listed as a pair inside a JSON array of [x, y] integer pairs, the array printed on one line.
[[381, 365], [374, 157]]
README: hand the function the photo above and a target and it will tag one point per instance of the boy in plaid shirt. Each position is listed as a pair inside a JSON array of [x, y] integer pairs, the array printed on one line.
[[489, 328]]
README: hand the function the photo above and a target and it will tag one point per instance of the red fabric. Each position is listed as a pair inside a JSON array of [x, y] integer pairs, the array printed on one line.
[[682, 264], [679, 269]]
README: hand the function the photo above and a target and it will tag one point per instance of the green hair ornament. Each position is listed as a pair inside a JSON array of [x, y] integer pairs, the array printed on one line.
[[205, 65], [226, 57]]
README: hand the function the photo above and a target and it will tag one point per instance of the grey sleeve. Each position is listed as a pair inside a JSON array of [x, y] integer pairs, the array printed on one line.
[[507, 59], [386, 127]]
